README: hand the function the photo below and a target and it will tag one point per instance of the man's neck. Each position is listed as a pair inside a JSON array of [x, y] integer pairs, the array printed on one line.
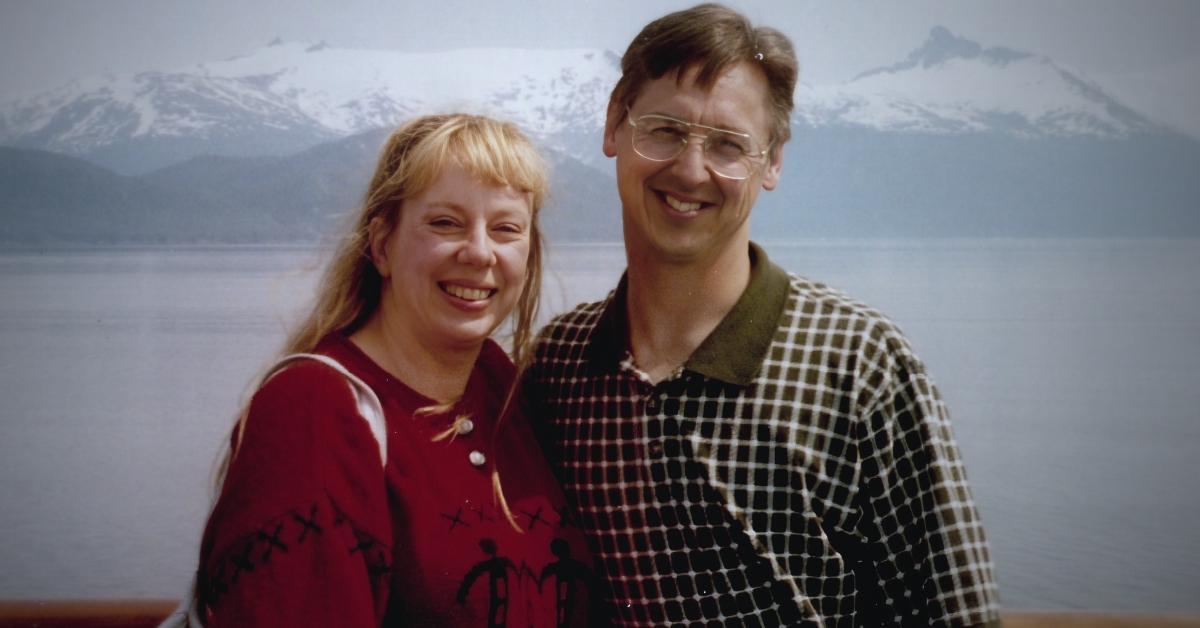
[[672, 308]]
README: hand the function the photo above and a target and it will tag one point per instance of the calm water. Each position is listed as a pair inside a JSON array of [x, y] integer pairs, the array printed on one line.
[[1070, 368]]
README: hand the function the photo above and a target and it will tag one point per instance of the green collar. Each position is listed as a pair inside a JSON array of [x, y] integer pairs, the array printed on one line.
[[733, 352]]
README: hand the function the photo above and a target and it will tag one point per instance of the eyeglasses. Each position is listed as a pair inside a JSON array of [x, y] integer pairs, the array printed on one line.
[[730, 154]]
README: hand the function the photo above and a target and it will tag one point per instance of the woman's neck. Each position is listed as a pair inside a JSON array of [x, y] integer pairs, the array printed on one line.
[[438, 372]]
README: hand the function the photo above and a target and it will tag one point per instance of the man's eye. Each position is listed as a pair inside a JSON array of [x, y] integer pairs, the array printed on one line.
[[730, 146], [666, 132]]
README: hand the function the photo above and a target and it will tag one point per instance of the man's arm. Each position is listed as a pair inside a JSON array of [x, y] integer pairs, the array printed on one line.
[[925, 539]]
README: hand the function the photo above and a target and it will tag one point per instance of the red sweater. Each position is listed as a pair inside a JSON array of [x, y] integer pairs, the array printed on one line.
[[309, 531]]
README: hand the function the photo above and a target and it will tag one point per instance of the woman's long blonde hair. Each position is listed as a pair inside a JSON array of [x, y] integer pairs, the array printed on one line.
[[411, 161]]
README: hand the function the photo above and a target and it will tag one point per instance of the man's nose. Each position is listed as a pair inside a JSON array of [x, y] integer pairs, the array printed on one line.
[[690, 164]]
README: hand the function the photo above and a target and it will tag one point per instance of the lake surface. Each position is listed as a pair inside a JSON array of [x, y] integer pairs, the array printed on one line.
[[1070, 368]]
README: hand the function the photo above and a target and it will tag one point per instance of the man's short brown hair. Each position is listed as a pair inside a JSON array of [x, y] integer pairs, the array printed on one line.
[[713, 38]]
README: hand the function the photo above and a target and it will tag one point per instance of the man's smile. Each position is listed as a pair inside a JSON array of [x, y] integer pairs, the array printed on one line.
[[681, 205]]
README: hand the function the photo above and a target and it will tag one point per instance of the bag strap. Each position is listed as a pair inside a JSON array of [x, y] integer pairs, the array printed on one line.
[[369, 407]]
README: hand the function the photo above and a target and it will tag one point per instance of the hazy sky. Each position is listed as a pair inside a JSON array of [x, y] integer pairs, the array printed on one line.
[[1147, 53]]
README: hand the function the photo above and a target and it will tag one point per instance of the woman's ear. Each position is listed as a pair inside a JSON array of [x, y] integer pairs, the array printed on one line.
[[377, 234]]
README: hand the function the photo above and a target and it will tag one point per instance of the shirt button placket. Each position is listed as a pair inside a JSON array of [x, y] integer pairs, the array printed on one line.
[[654, 443]]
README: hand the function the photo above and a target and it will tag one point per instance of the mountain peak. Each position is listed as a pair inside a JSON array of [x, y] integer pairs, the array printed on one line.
[[942, 45]]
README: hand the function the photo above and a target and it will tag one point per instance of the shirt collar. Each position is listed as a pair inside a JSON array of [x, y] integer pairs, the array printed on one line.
[[733, 352]]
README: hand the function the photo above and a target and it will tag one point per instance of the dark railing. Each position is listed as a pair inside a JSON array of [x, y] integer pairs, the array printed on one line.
[[148, 613]]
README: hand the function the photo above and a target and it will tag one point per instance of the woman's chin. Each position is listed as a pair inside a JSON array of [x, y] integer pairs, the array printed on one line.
[[467, 334]]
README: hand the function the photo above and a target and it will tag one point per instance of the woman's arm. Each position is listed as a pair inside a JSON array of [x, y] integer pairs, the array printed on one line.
[[300, 533]]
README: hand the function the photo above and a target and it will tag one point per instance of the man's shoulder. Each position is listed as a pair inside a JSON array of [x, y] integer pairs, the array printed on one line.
[[575, 325], [562, 345], [816, 307], [814, 298]]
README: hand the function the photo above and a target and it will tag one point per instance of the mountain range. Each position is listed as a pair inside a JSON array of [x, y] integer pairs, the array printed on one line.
[[956, 139]]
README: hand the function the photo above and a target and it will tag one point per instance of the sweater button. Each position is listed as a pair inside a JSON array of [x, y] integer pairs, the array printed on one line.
[[477, 458], [464, 427]]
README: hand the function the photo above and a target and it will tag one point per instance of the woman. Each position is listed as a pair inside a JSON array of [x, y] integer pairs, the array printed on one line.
[[463, 524]]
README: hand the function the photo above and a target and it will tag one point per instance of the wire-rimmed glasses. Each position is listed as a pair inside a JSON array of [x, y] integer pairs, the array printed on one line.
[[730, 154]]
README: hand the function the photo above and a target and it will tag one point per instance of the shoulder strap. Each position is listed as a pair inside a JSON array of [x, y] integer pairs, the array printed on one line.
[[369, 407]]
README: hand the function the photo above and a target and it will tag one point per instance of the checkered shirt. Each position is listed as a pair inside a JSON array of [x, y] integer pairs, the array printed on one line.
[[798, 469]]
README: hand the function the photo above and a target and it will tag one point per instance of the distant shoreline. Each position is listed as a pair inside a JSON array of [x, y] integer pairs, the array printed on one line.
[[69, 247]]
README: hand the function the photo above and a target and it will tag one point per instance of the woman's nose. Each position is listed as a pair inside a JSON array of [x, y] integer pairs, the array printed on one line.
[[477, 249]]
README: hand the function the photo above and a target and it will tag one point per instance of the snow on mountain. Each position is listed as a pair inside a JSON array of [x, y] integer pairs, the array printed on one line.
[[287, 97], [954, 85], [85, 115], [315, 92], [344, 89]]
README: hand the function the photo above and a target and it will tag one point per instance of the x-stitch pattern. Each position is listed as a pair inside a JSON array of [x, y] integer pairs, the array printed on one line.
[[254, 551], [532, 519]]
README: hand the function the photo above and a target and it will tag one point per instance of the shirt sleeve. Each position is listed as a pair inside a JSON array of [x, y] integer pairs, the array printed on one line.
[[928, 559], [299, 535]]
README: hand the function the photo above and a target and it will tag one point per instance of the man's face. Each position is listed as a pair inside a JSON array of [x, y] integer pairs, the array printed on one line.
[[679, 210]]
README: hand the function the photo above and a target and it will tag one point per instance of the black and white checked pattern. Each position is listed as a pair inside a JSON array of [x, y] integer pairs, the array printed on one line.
[[799, 469]]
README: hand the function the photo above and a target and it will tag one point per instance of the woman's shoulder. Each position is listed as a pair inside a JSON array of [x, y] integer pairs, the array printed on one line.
[[302, 386], [303, 413]]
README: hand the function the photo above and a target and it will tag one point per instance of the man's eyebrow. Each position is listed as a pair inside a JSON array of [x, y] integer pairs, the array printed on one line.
[[718, 128]]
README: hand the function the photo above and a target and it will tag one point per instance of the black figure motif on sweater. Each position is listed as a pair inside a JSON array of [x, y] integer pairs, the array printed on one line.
[[496, 567], [569, 575]]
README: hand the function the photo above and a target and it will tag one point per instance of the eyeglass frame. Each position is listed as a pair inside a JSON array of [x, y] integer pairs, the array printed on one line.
[[761, 155]]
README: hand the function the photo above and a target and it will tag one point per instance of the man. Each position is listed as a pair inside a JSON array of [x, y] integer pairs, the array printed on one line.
[[742, 446]]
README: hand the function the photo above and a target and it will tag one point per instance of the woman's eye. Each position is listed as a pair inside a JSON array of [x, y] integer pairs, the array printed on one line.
[[509, 227], [442, 222]]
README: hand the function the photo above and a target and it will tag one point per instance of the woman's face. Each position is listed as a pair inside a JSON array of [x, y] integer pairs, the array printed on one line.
[[454, 265]]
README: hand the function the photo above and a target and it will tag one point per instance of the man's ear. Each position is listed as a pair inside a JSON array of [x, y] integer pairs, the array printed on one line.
[[377, 235], [774, 168], [612, 122]]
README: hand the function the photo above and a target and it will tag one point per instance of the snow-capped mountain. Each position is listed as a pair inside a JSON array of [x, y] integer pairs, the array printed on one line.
[[349, 91], [954, 85], [288, 96], [954, 140]]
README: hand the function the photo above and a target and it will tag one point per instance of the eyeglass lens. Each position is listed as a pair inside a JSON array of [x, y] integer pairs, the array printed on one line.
[[659, 139]]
